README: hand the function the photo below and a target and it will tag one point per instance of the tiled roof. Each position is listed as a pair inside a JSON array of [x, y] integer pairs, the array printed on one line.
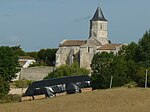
[[25, 57], [72, 43], [109, 46]]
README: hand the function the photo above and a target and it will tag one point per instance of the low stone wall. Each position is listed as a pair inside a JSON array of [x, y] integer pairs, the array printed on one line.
[[17, 90], [35, 73]]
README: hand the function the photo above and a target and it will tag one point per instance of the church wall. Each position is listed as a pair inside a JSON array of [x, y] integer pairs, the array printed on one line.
[[86, 55], [63, 54]]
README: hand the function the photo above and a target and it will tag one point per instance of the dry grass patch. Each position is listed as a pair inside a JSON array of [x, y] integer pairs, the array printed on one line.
[[111, 100]]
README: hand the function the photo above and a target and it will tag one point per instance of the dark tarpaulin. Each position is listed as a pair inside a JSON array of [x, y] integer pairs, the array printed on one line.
[[57, 84]]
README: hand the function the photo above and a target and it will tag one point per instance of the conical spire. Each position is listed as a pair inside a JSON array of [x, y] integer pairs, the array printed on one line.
[[98, 15]]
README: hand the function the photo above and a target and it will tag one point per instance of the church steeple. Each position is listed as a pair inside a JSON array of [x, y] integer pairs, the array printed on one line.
[[98, 27], [98, 16]]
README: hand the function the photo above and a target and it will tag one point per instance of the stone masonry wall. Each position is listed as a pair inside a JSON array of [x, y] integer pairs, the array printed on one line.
[[35, 73], [63, 53]]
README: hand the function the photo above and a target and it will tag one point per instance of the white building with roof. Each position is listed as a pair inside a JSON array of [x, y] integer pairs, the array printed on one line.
[[26, 61]]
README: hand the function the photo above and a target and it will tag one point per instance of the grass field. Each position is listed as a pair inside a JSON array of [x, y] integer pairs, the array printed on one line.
[[111, 100]]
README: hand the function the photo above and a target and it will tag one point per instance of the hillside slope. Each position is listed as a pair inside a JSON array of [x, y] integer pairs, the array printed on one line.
[[111, 100]]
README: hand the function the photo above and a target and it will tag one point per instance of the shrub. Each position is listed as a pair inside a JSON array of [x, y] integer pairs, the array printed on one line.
[[66, 70], [140, 77], [10, 98], [131, 84], [23, 83]]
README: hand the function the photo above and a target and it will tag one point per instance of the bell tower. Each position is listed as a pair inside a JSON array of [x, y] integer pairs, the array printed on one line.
[[98, 27]]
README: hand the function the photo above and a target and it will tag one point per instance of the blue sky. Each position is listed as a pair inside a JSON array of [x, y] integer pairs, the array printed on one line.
[[37, 24]]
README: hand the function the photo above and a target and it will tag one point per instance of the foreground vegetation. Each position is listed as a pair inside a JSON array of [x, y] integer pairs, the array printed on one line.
[[110, 100], [10, 98], [129, 65], [68, 70], [9, 65]]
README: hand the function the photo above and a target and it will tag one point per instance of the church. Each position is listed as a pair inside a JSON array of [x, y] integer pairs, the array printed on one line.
[[83, 51]]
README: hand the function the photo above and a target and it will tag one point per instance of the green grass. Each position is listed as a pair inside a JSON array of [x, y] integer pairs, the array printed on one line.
[[110, 100]]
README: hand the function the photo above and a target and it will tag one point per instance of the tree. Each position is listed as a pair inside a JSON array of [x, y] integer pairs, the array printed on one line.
[[18, 50], [130, 51], [32, 54], [105, 65], [144, 49], [139, 78], [9, 65], [66, 70], [42, 55], [100, 66], [129, 64], [47, 56], [50, 54], [4, 87], [120, 71]]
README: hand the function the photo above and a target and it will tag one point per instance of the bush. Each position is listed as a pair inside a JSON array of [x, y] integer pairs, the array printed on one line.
[[140, 77], [131, 84], [66, 70], [37, 64], [23, 83], [10, 98], [4, 87]]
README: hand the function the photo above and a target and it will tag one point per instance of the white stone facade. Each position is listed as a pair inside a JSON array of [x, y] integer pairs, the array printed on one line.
[[98, 31]]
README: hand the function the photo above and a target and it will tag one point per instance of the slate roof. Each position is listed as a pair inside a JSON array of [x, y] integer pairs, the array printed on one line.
[[109, 47], [72, 43], [98, 15]]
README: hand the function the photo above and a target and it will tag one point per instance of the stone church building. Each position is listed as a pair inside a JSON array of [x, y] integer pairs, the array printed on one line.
[[83, 51]]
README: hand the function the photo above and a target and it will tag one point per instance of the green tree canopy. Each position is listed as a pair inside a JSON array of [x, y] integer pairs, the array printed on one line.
[[47, 56], [144, 48], [4, 87], [18, 51], [130, 51], [105, 65], [100, 66], [8, 63], [32, 54]]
